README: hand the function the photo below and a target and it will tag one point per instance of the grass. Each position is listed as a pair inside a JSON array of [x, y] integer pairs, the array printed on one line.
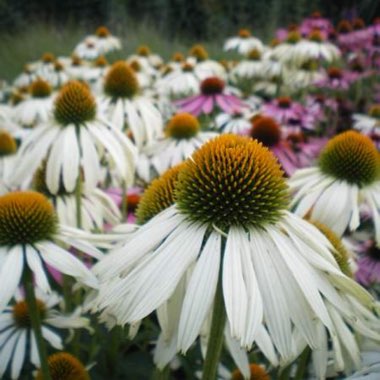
[[28, 45]]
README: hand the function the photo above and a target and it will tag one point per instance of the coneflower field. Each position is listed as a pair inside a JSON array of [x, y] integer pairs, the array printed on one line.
[[193, 217]]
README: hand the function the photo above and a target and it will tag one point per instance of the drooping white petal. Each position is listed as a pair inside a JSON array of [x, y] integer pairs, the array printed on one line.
[[10, 274], [19, 355], [200, 292], [156, 280], [234, 287], [66, 263], [35, 264]]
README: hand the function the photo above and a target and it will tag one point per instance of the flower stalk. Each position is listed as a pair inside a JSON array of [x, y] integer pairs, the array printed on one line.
[[216, 338], [36, 322]]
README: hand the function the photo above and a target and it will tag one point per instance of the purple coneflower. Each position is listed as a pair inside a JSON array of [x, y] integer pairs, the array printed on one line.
[[212, 95]]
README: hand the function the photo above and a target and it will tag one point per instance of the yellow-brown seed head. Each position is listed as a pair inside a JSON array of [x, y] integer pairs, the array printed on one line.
[[340, 252], [293, 37], [21, 315], [76, 60], [58, 66], [358, 24], [102, 32], [40, 89], [351, 157], [135, 66], [74, 104], [374, 111], [266, 130], [254, 55], [334, 73], [310, 65], [144, 51], [284, 102], [244, 33], [48, 58], [182, 126], [133, 201], [101, 61], [178, 57], [315, 36], [257, 373], [199, 52], [26, 218], [212, 86], [159, 195], [64, 366], [187, 67], [344, 27], [121, 81], [8, 144], [232, 181]]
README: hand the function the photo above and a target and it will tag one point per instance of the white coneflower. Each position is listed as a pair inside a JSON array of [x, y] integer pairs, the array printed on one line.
[[64, 366], [19, 340], [36, 109], [347, 177], [146, 58], [87, 49], [97, 208], [183, 137], [58, 76], [179, 82], [249, 68], [203, 66], [76, 68], [315, 47], [244, 42], [8, 149], [126, 108], [236, 122], [369, 124], [75, 140], [44, 65], [25, 78], [28, 231], [284, 51], [245, 255], [105, 42], [305, 75]]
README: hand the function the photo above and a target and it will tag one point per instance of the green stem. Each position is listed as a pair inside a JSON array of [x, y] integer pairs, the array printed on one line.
[[36, 322], [302, 364], [162, 374], [284, 373], [78, 186], [124, 205], [215, 341], [113, 352], [78, 200]]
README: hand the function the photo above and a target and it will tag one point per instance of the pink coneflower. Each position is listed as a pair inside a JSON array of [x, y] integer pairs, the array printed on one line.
[[212, 95], [353, 36], [132, 200], [316, 22], [290, 114], [293, 152], [368, 263], [337, 79]]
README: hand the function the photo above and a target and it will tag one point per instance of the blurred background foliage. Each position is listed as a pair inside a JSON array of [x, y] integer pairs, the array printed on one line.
[[31, 27]]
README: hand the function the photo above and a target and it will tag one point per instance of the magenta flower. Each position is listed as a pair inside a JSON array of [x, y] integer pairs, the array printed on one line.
[[368, 271], [293, 116], [293, 152], [316, 22], [133, 199], [212, 95], [337, 79]]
